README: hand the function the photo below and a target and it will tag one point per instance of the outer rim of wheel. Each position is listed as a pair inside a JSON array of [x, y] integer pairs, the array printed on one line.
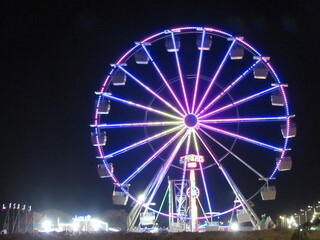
[[182, 30]]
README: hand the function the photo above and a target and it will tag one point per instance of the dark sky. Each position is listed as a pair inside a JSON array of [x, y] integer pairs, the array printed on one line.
[[55, 54]]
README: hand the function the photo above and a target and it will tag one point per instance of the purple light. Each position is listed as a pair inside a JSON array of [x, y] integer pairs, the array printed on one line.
[[141, 124], [163, 79], [198, 73], [227, 89], [142, 142], [237, 120], [137, 105], [243, 100], [156, 154], [215, 76], [180, 73], [246, 139], [150, 90], [166, 166]]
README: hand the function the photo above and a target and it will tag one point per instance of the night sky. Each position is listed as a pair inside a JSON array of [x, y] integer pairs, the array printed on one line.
[[55, 54]]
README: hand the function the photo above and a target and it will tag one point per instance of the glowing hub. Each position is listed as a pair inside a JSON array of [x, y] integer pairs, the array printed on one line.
[[191, 120]]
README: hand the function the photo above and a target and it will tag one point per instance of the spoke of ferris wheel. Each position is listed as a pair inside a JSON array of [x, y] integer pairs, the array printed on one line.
[[233, 154], [231, 183], [202, 174], [241, 101], [198, 72], [155, 155], [203, 212], [163, 78], [180, 73], [137, 105], [228, 88], [137, 124], [184, 174], [215, 77], [150, 90], [142, 142], [166, 167], [251, 119], [240, 137]]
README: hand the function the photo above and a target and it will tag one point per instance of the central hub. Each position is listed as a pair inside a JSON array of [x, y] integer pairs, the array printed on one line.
[[191, 120]]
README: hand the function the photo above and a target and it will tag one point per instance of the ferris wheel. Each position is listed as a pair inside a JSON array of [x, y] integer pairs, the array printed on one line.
[[192, 123]]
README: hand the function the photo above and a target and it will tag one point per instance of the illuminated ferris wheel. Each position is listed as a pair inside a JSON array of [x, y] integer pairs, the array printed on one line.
[[192, 123]]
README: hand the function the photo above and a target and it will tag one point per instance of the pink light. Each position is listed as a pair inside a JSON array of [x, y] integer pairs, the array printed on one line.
[[227, 89], [156, 154], [243, 100], [150, 90], [167, 166], [163, 78], [215, 77], [152, 36], [185, 28], [180, 73], [198, 73], [137, 105], [217, 31], [139, 124], [192, 164], [142, 142], [126, 54], [237, 120], [287, 112], [246, 139]]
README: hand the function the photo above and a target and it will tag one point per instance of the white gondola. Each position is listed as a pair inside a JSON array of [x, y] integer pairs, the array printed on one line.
[[104, 107], [118, 78], [119, 198], [141, 57], [277, 99], [170, 44], [102, 170], [268, 193], [285, 164], [260, 71], [243, 216], [289, 132], [236, 52], [99, 139], [147, 218], [207, 41]]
